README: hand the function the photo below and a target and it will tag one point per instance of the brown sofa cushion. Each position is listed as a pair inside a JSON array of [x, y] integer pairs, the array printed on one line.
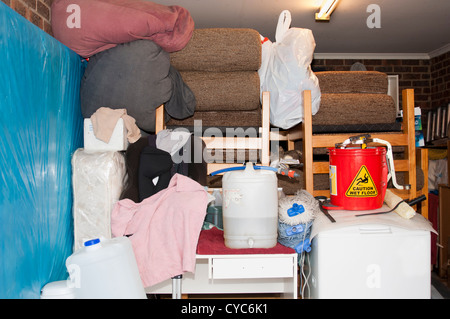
[[221, 119], [220, 50], [353, 82], [355, 108], [224, 91]]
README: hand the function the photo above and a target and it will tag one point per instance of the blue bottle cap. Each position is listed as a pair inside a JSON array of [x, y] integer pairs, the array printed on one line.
[[291, 231], [304, 246], [295, 210], [91, 242]]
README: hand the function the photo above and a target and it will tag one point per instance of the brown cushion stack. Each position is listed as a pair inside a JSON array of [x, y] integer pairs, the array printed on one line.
[[354, 97], [220, 65]]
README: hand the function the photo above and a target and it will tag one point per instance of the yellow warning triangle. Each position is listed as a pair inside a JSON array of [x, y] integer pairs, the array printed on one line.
[[362, 185]]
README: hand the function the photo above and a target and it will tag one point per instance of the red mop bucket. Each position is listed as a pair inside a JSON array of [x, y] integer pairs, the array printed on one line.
[[358, 178]]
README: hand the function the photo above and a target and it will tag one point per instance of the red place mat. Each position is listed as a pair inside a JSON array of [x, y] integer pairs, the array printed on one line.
[[211, 242]]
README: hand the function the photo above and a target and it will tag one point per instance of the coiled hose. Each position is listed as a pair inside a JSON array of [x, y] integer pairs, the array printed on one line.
[[281, 171]]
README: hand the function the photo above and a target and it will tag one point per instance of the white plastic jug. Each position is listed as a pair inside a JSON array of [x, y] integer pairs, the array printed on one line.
[[105, 269], [250, 208]]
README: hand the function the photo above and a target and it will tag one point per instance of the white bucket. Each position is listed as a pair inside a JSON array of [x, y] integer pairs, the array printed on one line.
[[250, 208], [105, 269], [58, 290]]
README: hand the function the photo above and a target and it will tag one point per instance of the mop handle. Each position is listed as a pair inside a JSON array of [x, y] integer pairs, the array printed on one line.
[[390, 160]]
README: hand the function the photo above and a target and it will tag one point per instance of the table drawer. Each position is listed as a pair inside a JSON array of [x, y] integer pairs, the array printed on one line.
[[228, 268]]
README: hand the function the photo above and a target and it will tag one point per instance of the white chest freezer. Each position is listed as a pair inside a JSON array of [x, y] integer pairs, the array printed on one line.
[[370, 261]]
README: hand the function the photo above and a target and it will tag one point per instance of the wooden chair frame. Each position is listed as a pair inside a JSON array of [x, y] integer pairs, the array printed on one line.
[[262, 142], [404, 138]]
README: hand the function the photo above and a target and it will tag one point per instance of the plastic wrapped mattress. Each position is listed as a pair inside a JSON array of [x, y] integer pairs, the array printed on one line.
[[97, 183], [40, 127]]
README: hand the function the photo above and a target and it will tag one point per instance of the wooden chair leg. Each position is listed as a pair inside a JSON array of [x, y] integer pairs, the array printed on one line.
[[159, 119], [307, 143], [294, 134], [409, 130], [265, 134], [422, 159]]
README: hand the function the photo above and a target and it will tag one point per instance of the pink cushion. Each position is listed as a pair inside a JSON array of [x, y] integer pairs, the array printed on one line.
[[106, 23]]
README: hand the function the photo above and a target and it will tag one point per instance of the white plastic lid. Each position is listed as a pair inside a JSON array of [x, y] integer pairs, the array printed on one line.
[[57, 288]]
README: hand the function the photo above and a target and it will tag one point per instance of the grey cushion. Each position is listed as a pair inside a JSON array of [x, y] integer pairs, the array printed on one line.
[[136, 76]]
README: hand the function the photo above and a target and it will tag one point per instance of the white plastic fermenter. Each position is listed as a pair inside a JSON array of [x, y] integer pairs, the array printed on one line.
[[250, 208]]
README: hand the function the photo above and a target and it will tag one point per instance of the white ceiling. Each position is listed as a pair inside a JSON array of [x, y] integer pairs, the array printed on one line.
[[407, 26]]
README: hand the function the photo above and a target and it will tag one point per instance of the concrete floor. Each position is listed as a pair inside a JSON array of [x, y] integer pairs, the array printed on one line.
[[439, 289]]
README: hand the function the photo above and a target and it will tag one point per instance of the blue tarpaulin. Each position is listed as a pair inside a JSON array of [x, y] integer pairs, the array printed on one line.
[[40, 128]]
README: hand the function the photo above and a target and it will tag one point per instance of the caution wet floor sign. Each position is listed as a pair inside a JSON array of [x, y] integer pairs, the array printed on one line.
[[362, 185]]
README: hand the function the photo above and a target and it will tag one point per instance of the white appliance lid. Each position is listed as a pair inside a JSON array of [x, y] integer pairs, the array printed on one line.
[[347, 219]]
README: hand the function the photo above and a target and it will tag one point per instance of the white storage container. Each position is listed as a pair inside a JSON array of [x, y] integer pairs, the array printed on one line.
[[117, 142], [105, 269], [250, 208], [370, 261]]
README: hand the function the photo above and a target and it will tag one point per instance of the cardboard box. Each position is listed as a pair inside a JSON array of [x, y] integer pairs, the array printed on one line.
[[118, 141]]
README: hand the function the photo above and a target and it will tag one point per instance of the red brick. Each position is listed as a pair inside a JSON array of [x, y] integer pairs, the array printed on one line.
[[384, 69], [36, 19], [373, 62], [392, 62], [402, 69], [334, 62], [410, 62], [48, 28], [43, 10], [30, 3], [19, 7]]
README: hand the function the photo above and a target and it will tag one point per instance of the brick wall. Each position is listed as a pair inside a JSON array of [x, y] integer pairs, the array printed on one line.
[[440, 80], [36, 11], [430, 78]]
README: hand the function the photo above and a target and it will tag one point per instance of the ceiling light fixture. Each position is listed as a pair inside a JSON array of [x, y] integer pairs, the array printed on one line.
[[326, 9]]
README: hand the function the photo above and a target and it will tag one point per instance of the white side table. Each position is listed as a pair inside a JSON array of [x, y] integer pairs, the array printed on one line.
[[239, 274]]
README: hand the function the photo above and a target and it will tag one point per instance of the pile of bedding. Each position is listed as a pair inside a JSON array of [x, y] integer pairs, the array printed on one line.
[[127, 43]]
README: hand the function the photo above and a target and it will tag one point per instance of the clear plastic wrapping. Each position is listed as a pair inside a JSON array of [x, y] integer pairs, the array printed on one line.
[[97, 183]]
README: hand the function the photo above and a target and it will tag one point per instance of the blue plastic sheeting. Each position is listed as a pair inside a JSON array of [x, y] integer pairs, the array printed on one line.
[[40, 128]]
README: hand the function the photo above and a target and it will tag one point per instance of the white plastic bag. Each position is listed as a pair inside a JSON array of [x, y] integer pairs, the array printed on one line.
[[286, 72]]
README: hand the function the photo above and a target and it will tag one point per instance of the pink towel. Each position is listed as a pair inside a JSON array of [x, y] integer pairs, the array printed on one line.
[[165, 228]]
